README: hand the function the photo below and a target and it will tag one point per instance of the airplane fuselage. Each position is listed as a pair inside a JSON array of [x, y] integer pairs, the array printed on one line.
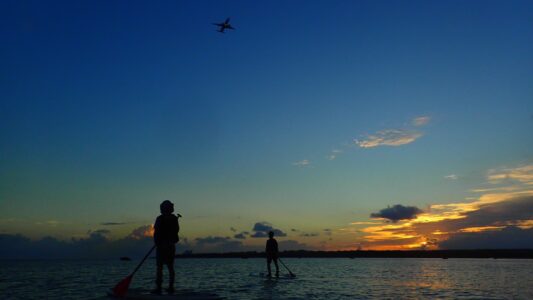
[[224, 26]]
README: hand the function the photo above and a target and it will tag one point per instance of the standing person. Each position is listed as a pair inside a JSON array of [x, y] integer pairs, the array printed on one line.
[[272, 253], [166, 230]]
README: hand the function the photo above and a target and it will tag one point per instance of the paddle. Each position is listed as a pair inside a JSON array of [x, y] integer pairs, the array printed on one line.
[[290, 273], [121, 288]]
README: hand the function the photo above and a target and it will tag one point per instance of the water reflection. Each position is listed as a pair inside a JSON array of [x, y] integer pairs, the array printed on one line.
[[317, 278]]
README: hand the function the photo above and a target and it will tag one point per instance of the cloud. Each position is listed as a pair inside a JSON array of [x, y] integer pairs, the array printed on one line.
[[261, 230], [100, 231], [398, 212], [327, 231], [211, 240], [259, 234], [262, 226], [291, 245], [142, 232], [522, 174], [212, 244], [451, 177], [112, 223], [95, 246], [364, 223], [420, 121], [507, 238], [52, 223], [302, 163], [503, 214], [334, 154], [309, 234], [240, 236], [493, 215], [232, 229], [389, 137]]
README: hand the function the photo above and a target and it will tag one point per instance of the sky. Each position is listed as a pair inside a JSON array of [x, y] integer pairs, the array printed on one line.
[[340, 124]]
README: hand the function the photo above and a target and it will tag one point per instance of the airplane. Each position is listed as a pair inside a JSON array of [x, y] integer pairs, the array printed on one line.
[[224, 26]]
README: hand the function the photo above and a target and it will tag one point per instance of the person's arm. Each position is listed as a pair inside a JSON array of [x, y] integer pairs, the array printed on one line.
[[177, 229], [156, 230]]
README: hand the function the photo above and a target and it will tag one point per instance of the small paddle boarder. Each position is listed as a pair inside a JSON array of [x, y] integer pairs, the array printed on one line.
[[272, 253], [166, 229]]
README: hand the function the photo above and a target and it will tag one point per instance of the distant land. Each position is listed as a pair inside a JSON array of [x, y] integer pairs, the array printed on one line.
[[444, 254]]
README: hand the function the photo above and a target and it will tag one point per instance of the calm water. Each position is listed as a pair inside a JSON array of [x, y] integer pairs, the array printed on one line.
[[316, 278]]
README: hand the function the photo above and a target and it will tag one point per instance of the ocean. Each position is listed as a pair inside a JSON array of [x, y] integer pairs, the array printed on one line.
[[316, 278]]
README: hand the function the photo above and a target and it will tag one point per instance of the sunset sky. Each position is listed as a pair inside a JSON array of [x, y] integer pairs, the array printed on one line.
[[341, 124]]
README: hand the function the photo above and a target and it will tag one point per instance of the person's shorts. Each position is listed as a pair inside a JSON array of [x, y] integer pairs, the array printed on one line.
[[165, 254]]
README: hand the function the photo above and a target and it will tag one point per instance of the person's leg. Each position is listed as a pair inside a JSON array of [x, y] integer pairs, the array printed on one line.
[[277, 267], [172, 276], [159, 276], [269, 260], [171, 272]]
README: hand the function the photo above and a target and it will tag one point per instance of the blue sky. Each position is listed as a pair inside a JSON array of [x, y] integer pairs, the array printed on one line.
[[109, 108]]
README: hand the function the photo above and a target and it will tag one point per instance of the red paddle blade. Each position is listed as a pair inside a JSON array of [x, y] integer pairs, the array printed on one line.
[[121, 289]]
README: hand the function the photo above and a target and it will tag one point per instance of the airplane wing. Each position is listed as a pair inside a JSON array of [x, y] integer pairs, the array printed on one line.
[[221, 30], [227, 20], [230, 27], [218, 24]]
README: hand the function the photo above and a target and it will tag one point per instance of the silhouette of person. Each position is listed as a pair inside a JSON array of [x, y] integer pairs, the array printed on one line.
[[272, 253], [166, 230]]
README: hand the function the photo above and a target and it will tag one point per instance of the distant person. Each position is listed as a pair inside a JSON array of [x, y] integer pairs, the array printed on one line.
[[272, 253], [166, 230]]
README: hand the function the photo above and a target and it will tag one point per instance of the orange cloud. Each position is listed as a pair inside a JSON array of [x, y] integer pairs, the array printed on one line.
[[501, 208], [480, 228]]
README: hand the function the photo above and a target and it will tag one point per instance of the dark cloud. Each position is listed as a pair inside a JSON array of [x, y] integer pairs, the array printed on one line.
[[233, 229], [262, 226], [519, 208], [327, 231], [100, 231], [259, 234], [112, 223], [98, 246], [503, 213], [294, 230], [501, 224], [220, 244], [306, 234], [211, 240], [95, 246], [292, 245], [241, 236], [508, 238], [397, 212], [261, 230]]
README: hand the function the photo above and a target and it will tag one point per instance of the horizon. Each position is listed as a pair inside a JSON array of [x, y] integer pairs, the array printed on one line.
[[339, 126]]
